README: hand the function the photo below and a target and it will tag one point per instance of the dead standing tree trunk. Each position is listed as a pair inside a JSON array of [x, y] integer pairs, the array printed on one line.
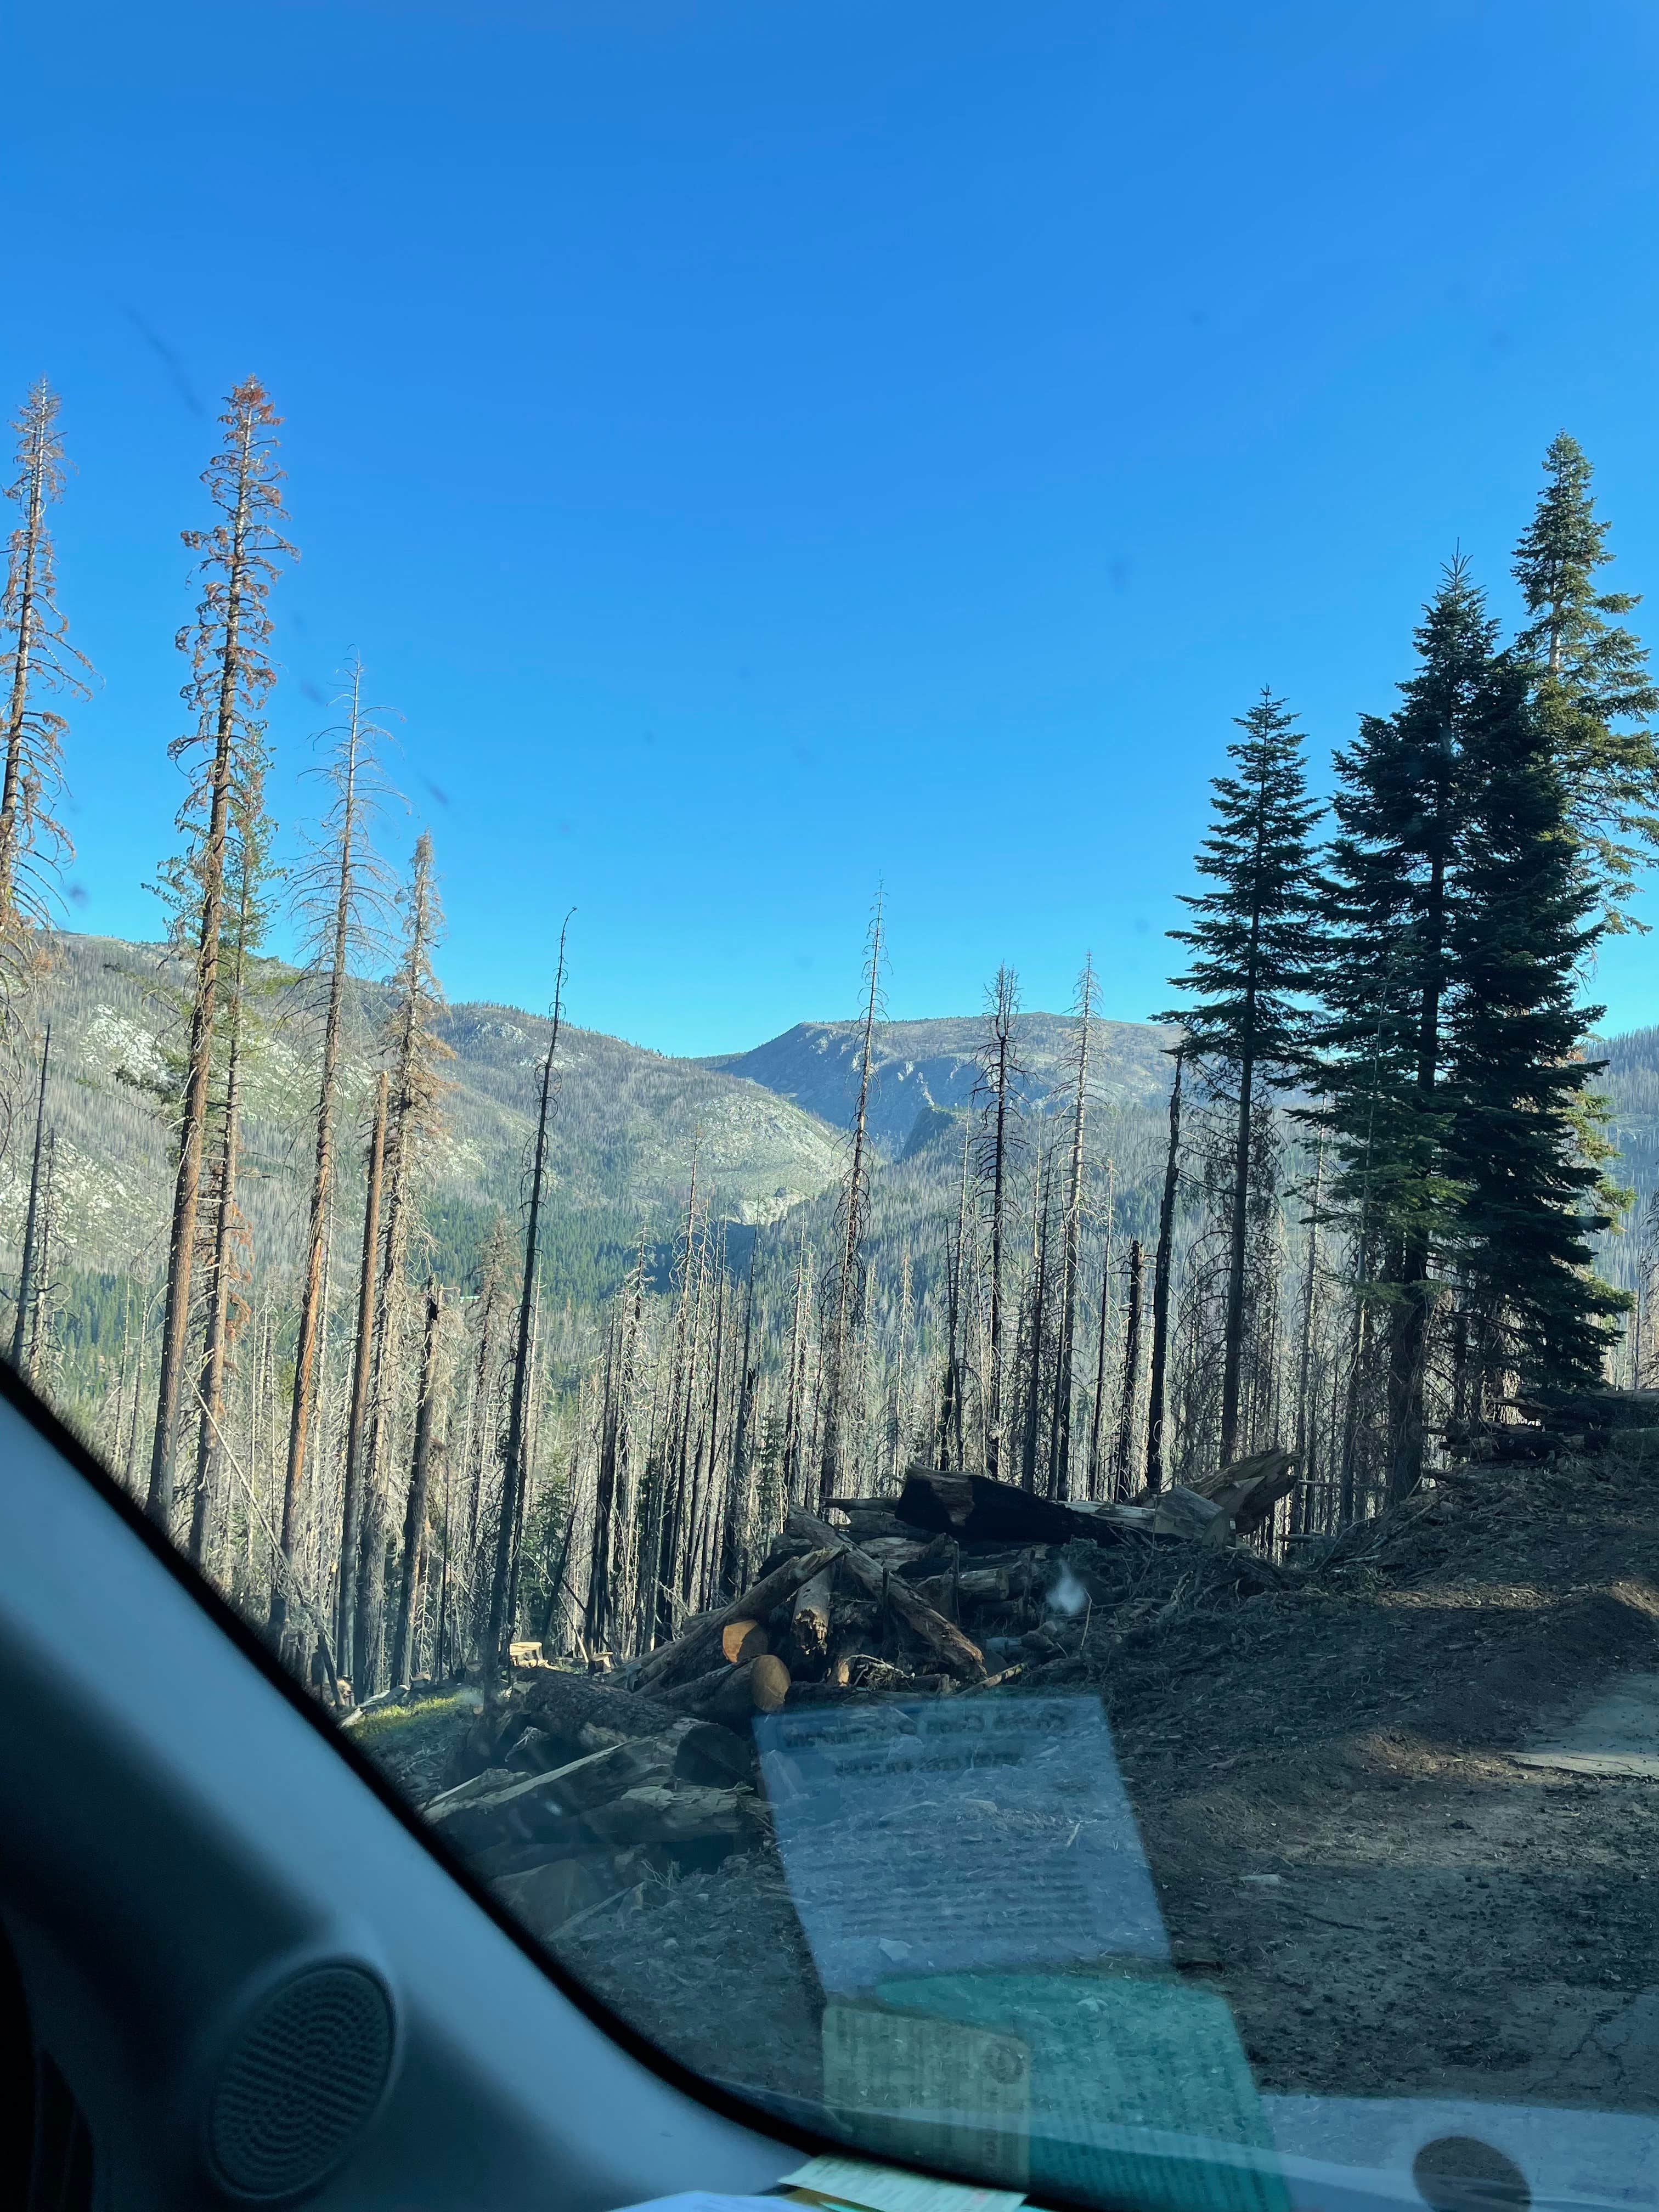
[[351, 1509], [415, 1089], [1059, 1433], [499, 1627], [420, 1478], [1157, 1391], [844, 1336], [252, 838], [39, 660], [230, 676], [999, 1074], [343, 874], [1122, 1458], [25, 1280]]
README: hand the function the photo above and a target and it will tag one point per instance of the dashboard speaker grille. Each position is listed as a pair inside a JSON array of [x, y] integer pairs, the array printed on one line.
[[301, 2081]]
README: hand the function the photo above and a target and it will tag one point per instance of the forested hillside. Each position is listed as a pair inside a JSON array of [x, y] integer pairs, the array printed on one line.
[[421, 1327]]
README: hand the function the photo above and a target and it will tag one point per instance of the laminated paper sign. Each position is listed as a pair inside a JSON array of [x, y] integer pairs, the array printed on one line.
[[956, 1834], [940, 2092]]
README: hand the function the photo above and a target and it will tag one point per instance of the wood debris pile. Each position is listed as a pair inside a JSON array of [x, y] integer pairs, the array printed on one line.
[[571, 1789]]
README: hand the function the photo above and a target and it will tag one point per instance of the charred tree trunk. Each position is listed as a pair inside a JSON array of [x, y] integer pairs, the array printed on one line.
[[1123, 1457], [499, 1627], [25, 1282], [1059, 1432], [356, 1419], [322, 1174], [1157, 1393], [420, 1477], [209, 1434], [230, 676]]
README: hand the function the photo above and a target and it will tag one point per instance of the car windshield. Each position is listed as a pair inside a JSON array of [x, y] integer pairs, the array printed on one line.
[[826, 1027]]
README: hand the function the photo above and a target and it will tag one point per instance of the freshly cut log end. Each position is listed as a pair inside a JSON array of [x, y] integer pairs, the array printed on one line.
[[732, 1695], [743, 1639], [696, 1648], [768, 1683]]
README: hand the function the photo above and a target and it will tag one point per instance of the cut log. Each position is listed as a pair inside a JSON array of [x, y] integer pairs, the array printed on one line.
[[476, 1817], [978, 1511], [959, 1653], [653, 1815], [731, 1696], [563, 1705], [810, 1617], [869, 1516], [975, 1586], [689, 1654], [743, 1639]]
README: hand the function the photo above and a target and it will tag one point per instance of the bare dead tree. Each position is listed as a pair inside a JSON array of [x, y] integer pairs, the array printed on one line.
[[1060, 1431], [415, 1088], [230, 676], [845, 1305], [499, 1627], [949, 1449], [1157, 1393], [37, 662], [998, 1096], [420, 1478], [26, 1283], [249, 866], [1098, 1407], [340, 895], [351, 1509], [1123, 1456]]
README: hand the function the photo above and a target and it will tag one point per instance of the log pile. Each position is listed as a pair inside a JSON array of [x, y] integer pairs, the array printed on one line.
[[570, 1789]]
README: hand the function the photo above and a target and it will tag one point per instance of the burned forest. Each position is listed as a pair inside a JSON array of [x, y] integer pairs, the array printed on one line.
[[453, 1341]]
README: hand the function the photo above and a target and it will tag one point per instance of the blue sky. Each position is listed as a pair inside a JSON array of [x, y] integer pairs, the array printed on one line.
[[761, 450]]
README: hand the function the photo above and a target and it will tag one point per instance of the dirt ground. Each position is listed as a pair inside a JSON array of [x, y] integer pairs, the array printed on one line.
[[1402, 1808]]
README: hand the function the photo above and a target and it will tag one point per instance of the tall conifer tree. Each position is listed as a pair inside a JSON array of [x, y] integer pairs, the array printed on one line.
[[1400, 802], [1591, 686], [1529, 1197], [1252, 942]]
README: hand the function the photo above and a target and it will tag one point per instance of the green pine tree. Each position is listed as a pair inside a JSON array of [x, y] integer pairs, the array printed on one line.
[[1385, 972], [1530, 1195], [1252, 942], [1591, 686]]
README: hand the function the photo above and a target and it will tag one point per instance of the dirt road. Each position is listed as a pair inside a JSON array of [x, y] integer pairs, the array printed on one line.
[[1403, 1812]]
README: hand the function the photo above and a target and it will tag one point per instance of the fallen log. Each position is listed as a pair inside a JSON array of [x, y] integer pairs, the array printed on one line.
[[489, 1811], [1248, 1490], [959, 1653], [1185, 1513], [731, 1696], [563, 1705], [683, 1658], [868, 1517], [811, 1616], [976, 1510], [1594, 1409], [973, 1586], [653, 1815]]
